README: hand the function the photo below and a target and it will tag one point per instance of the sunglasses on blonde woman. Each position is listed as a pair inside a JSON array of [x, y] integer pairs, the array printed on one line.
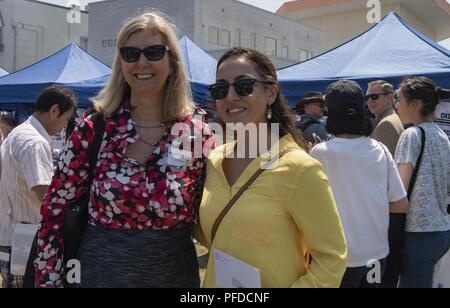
[[151, 53]]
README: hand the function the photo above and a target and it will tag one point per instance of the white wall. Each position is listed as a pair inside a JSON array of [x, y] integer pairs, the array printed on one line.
[[341, 27], [193, 18], [233, 15], [35, 30], [107, 18]]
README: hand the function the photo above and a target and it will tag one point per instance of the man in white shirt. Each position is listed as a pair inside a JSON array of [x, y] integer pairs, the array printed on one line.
[[28, 169]]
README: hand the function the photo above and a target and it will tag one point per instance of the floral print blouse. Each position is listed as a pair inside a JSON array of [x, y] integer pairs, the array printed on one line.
[[125, 195]]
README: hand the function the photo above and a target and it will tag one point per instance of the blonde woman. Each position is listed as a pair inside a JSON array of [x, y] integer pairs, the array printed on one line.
[[144, 198]]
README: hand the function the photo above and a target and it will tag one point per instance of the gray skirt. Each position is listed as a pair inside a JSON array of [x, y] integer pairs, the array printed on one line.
[[138, 259]]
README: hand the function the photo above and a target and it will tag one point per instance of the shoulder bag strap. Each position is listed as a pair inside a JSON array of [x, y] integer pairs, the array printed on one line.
[[412, 182], [241, 191], [99, 126]]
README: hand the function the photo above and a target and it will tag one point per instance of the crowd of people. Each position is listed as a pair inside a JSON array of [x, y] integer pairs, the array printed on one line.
[[339, 195]]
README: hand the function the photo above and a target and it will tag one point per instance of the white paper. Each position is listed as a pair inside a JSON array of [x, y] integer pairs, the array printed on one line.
[[179, 158], [23, 239], [233, 273]]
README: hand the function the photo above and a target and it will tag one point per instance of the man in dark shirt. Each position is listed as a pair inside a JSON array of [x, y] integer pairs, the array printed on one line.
[[312, 108]]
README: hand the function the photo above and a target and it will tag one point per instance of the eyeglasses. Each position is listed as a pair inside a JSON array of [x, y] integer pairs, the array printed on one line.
[[243, 87], [151, 53], [375, 96]]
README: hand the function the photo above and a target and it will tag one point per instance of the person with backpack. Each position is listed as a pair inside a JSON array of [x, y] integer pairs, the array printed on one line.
[[312, 108]]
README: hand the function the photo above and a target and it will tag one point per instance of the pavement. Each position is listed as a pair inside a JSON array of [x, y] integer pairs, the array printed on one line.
[[203, 256]]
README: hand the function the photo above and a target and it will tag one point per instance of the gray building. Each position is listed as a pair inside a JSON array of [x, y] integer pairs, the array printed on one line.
[[32, 30], [215, 25]]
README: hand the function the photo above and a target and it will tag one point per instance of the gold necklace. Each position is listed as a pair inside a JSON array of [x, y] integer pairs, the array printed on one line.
[[151, 127], [150, 144]]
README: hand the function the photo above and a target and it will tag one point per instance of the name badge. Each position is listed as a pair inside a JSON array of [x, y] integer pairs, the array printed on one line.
[[179, 158]]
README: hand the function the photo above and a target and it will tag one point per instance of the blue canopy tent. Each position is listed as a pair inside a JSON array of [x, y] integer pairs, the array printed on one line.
[[3, 72], [390, 50], [70, 66], [201, 70]]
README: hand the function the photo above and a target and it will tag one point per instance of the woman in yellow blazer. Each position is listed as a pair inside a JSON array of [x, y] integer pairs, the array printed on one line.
[[289, 209]]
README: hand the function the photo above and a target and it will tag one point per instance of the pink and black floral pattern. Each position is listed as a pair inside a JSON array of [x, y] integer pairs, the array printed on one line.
[[125, 195]]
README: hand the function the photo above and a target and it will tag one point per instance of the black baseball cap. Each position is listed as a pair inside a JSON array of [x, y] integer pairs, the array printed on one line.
[[345, 97]]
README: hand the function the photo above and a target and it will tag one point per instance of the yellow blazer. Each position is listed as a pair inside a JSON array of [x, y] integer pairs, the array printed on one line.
[[287, 211]]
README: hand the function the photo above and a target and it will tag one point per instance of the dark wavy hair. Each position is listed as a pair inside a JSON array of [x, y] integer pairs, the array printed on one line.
[[281, 113], [425, 90], [56, 95]]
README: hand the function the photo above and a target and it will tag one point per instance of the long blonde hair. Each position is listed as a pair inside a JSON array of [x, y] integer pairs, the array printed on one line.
[[177, 102]]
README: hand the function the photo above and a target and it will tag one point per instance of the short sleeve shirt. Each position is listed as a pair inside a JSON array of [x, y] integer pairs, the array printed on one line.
[[26, 163], [428, 204]]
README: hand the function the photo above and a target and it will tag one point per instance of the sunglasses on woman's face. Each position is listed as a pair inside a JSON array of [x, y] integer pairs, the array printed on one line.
[[151, 53], [243, 87]]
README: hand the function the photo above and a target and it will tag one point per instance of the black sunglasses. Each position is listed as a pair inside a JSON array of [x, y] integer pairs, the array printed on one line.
[[151, 53], [375, 97], [243, 87]]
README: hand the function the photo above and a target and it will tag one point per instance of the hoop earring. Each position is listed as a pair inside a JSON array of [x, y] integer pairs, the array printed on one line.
[[269, 113]]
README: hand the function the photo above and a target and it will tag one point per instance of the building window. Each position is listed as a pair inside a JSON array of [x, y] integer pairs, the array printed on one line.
[[238, 38], [84, 43], [213, 35], [225, 38], [285, 51], [105, 43], [271, 46], [253, 41], [305, 55]]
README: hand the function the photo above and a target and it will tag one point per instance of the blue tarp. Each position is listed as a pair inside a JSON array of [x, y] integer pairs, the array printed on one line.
[[201, 69], [390, 50], [69, 66], [3, 72]]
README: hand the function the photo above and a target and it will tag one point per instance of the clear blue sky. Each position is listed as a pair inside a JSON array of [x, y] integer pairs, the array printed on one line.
[[269, 5]]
